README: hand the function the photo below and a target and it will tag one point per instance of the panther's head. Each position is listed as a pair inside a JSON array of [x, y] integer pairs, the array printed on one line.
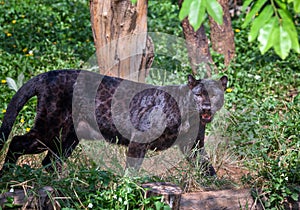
[[208, 95]]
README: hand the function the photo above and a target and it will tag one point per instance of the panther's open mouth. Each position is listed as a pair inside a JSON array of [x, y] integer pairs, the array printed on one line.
[[206, 117]]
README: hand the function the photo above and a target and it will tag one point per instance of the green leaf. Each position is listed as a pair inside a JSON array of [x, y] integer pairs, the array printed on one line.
[[197, 13], [20, 80], [246, 4], [282, 43], [12, 84], [256, 8], [133, 1], [289, 26], [281, 4], [297, 6], [260, 21], [295, 196], [265, 36], [215, 10], [185, 9]]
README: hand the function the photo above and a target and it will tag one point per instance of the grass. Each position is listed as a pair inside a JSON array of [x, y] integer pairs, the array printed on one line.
[[258, 129], [264, 106]]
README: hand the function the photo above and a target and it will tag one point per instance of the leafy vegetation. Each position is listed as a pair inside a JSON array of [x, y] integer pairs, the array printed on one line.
[[273, 24], [83, 188], [39, 37], [196, 11], [264, 105], [261, 122]]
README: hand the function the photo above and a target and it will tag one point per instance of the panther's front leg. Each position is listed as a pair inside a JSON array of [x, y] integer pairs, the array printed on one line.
[[198, 156]]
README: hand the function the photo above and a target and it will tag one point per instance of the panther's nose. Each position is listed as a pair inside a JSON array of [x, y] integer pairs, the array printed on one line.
[[206, 107], [206, 113]]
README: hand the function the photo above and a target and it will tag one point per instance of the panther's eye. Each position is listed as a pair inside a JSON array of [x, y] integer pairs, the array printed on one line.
[[197, 91]]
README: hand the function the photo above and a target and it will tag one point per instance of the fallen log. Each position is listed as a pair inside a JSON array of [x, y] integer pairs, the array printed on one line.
[[229, 200], [221, 199], [27, 199], [170, 192], [46, 198]]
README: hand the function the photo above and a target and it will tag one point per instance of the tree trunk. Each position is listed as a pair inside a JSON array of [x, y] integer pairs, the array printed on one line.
[[170, 192], [120, 35], [197, 46], [222, 36]]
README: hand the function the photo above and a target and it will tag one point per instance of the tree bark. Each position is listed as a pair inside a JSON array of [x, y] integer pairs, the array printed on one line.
[[170, 192], [222, 36], [120, 35], [220, 199], [197, 46]]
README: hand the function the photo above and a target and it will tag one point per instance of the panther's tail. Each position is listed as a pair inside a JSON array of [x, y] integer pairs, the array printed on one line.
[[26, 92]]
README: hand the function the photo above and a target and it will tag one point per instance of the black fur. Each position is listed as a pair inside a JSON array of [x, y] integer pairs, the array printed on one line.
[[74, 104]]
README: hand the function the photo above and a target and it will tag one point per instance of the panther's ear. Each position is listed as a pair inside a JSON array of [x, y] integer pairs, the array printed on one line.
[[192, 82], [224, 81]]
